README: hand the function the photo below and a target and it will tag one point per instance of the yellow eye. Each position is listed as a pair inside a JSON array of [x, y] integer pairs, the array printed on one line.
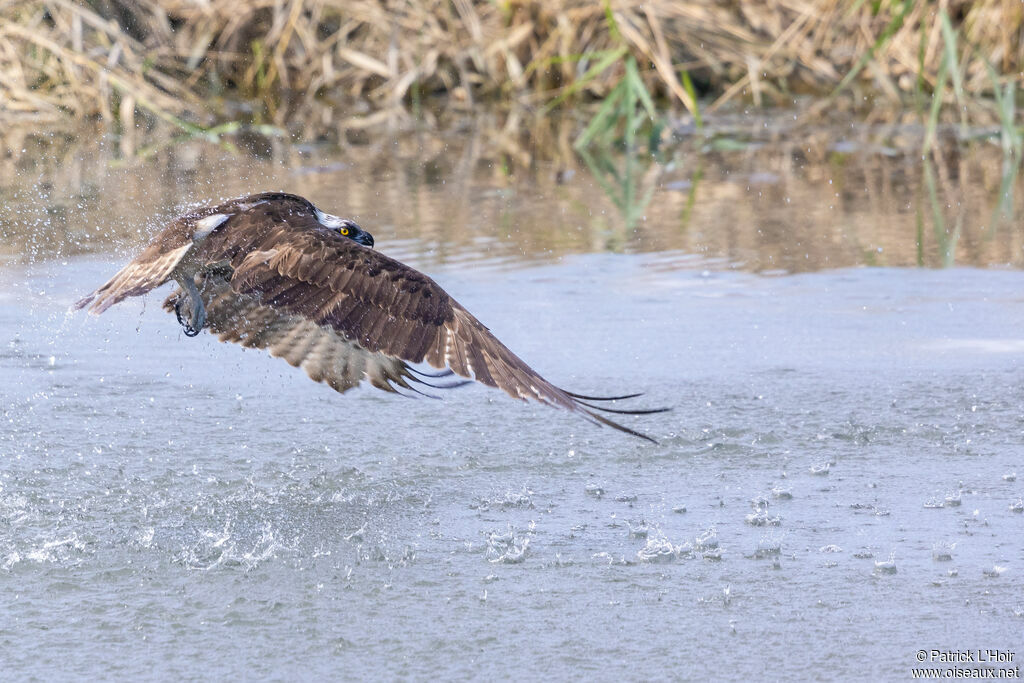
[[344, 231]]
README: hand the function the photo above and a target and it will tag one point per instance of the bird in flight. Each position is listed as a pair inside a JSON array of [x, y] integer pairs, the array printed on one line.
[[273, 271]]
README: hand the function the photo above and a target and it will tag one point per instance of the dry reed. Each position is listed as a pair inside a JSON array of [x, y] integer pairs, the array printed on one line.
[[192, 62]]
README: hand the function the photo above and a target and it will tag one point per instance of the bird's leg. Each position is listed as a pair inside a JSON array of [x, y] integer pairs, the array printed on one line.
[[197, 320]]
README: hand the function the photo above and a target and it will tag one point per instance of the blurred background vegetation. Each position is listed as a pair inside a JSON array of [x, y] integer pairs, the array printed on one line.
[[693, 118], [317, 67]]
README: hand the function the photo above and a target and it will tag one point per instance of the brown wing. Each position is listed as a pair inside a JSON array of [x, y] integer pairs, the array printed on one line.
[[171, 250], [323, 353], [148, 271], [383, 306], [340, 310]]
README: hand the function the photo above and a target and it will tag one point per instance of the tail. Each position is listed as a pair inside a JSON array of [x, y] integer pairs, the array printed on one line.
[[136, 278]]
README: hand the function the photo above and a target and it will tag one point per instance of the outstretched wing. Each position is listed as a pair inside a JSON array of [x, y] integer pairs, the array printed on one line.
[[383, 308], [173, 253], [325, 355], [157, 263]]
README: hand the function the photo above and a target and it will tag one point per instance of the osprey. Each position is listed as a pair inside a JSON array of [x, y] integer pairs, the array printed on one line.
[[273, 271]]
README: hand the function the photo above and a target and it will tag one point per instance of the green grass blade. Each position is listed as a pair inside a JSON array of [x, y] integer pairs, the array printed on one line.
[[606, 61], [1006, 106], [598, 174], [894, 25], [613, 26], [919, 82], [691, 196], [933, 115], [949, 40], [1003, 209], [638, 88], [603, 120], [684, 76], [946, 241]]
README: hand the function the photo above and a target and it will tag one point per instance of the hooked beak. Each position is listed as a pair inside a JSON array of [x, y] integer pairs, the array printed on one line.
[[364, 238], [359, 235]]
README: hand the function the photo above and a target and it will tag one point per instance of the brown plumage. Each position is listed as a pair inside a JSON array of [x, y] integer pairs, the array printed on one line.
[[272, 271]]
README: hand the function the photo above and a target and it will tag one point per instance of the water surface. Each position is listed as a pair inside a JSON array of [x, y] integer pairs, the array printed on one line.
[[834, 490]]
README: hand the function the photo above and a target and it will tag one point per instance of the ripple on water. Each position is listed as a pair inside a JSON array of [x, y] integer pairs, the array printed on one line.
[[230, 548], [943, 551], [508, 547], [520, 500], [768, 546], [887, 566], [762, 518], [659, 548]]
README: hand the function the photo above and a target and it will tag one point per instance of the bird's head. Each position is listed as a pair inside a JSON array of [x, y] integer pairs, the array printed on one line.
[[352, 231], [344, 227]]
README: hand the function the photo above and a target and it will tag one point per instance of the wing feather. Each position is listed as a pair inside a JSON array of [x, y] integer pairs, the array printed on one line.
[[384, 306], [325, 355], [145, 273], [295, 345], [159, 261], [341, 311]]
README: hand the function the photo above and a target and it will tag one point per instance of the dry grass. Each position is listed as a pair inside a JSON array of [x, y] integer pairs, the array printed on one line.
[[192, 62]]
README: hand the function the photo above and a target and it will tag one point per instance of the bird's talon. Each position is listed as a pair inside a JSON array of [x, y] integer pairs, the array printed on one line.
[[190, 331]]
